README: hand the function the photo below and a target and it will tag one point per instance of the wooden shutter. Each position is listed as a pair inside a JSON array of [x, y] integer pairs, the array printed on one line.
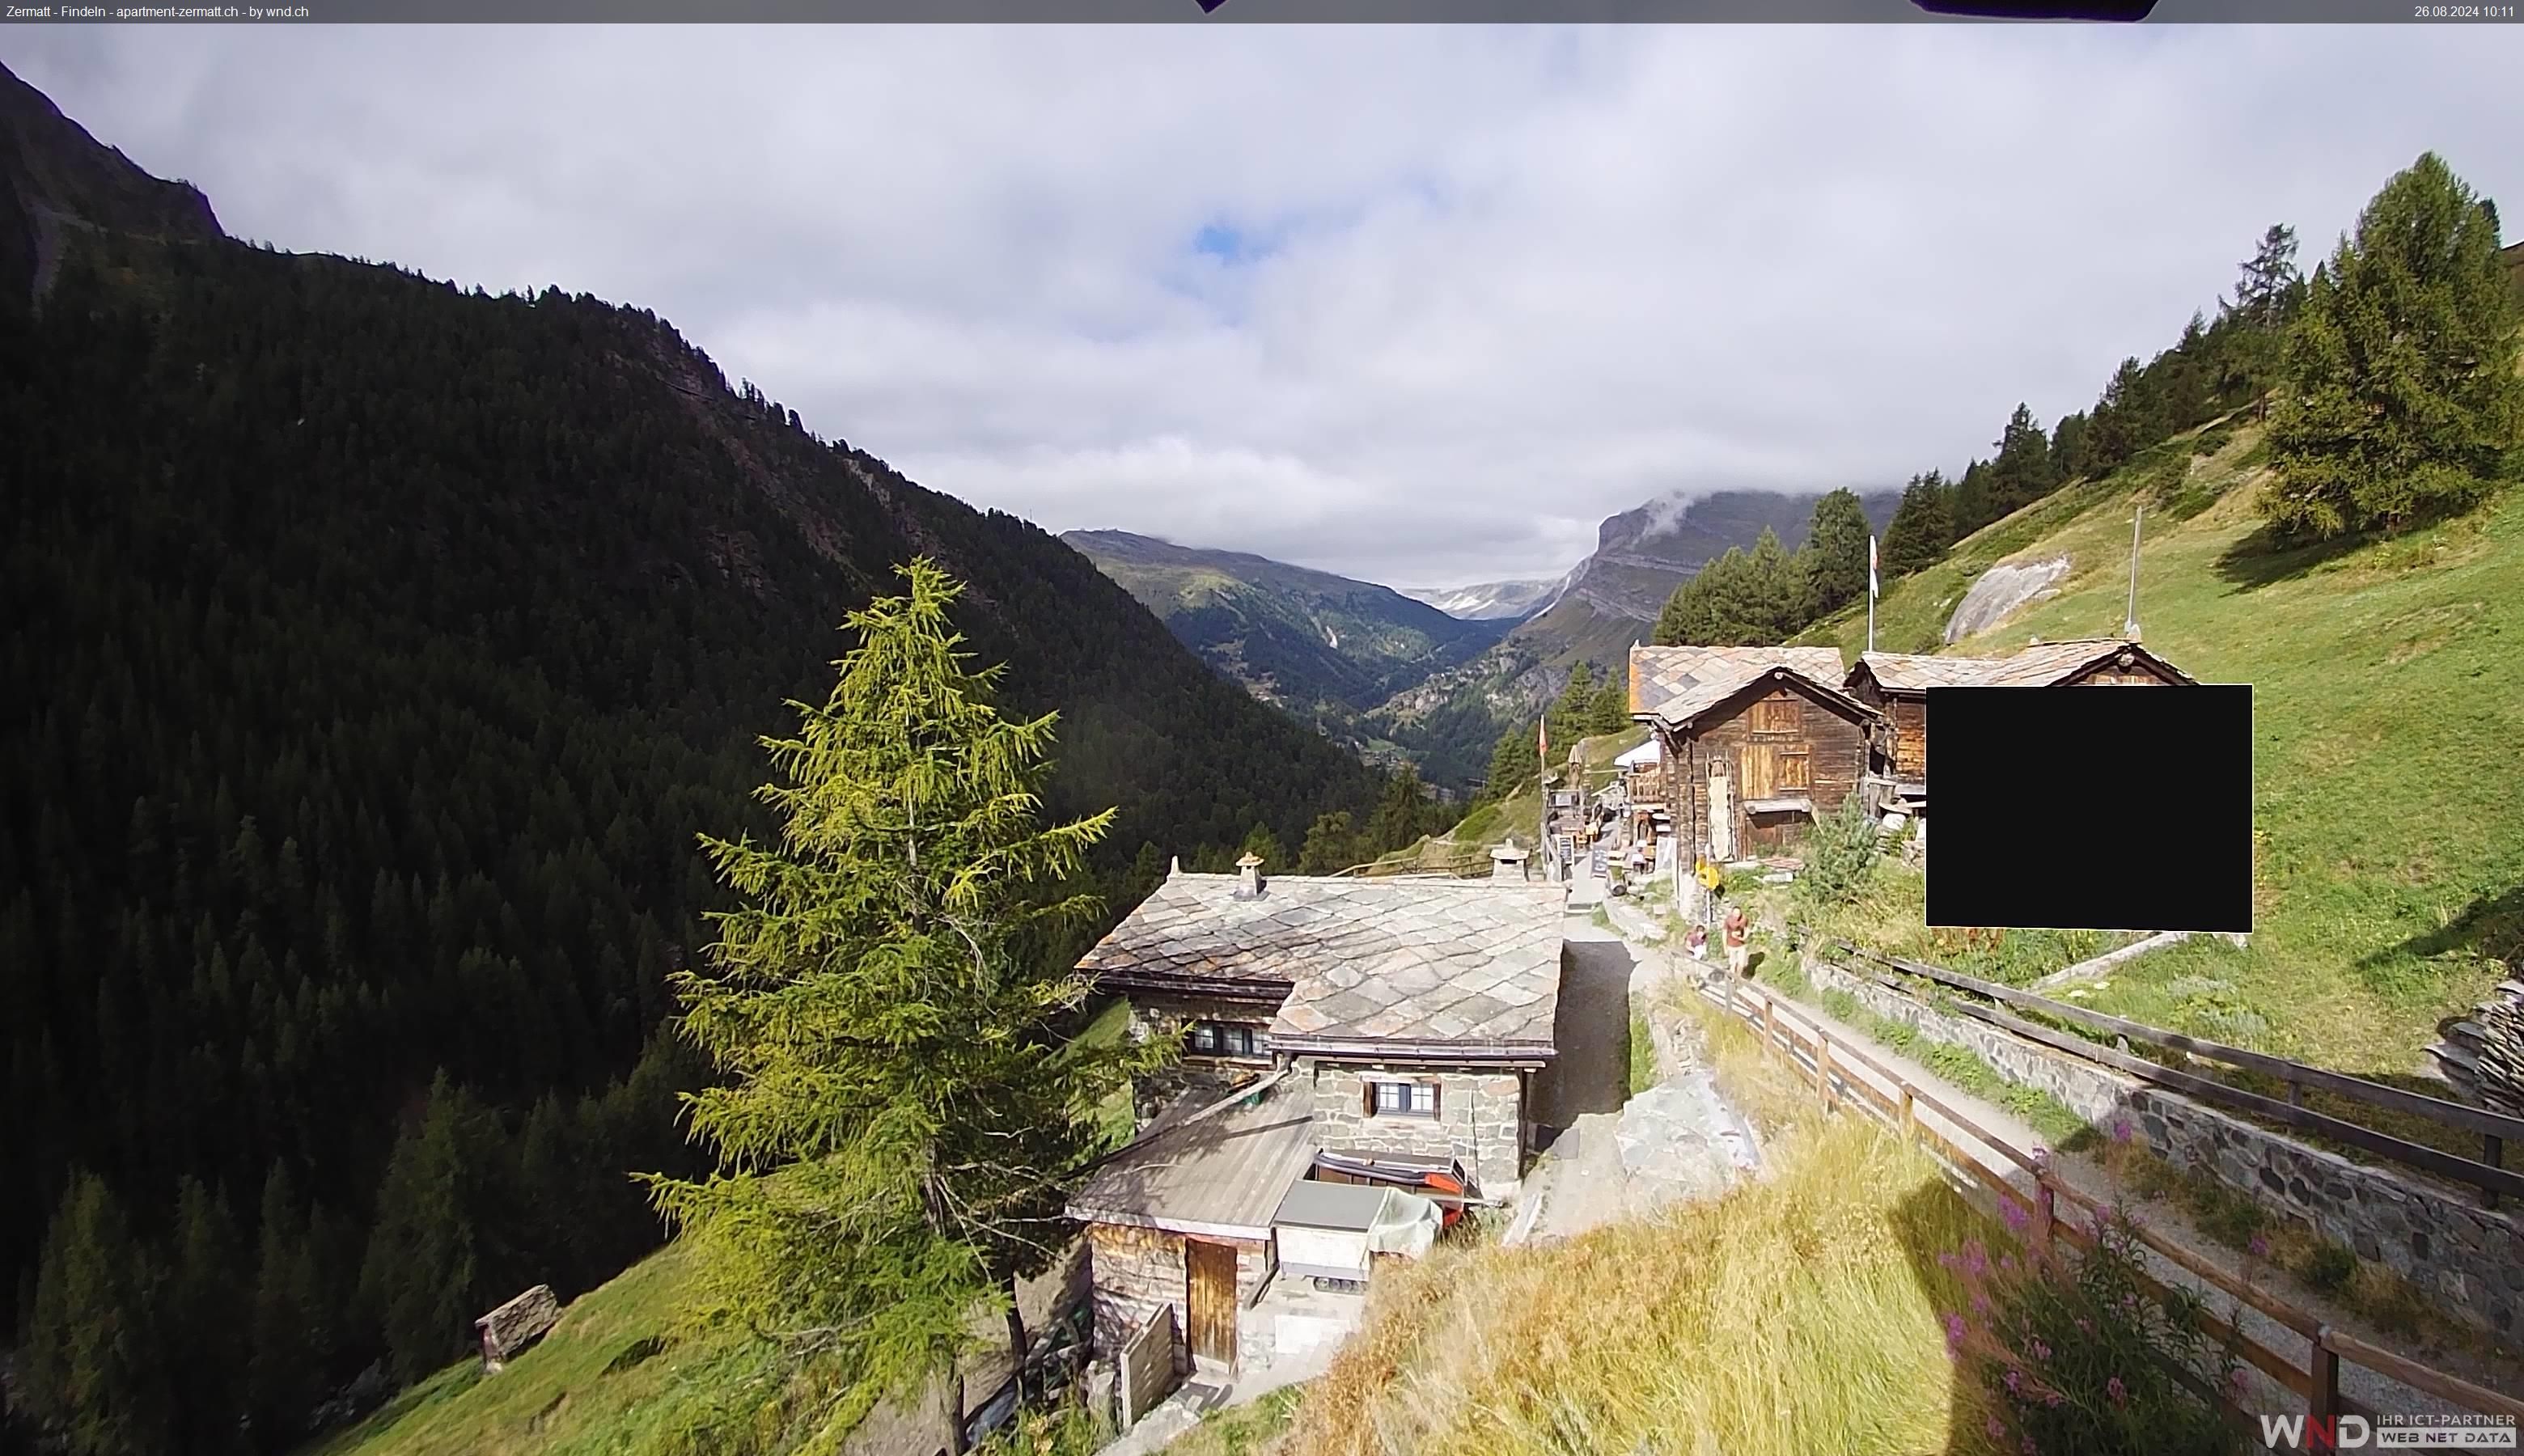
[[1792, 771]]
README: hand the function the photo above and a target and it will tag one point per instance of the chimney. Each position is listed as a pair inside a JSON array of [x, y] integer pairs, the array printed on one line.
[[1249, 876], [1507, 863]]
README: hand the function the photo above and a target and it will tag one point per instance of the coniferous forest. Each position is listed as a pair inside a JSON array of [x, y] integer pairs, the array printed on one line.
[[378, 651]]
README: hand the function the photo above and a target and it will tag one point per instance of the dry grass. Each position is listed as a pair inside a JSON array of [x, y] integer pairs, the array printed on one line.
[[1800, 1313]]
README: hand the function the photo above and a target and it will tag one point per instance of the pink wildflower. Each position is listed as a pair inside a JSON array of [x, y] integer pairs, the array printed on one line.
[[1980, 1303], [2117, 1391], [2016, 1382], [2120, 1129], [2260, 1248], [2083, 1327], [2041, 1351], [1997, 1431], [1954, 1327], [2006, 1263], [2028, 1448], [2014, 1212]]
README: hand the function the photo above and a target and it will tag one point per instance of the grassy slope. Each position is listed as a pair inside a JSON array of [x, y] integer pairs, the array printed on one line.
[[561, 1396], [1798, 1314], [2387, 714]]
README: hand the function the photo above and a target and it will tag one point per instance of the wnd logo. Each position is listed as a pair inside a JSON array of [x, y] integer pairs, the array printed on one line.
[[2316, 1433]]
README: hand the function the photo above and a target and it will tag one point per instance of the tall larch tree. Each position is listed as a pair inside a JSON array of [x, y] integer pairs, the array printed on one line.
[[1921, 527], [898, 1123], [2399, 371], [1835, 554]]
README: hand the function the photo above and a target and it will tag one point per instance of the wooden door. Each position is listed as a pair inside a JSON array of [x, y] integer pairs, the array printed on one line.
[[1209, 1271], [1761, 770], [1722, 816]]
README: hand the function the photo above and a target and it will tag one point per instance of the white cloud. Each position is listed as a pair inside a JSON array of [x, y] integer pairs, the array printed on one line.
[[1490, 285]]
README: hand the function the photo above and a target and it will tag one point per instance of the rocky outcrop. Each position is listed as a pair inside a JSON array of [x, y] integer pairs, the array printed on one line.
[[2004, 590]]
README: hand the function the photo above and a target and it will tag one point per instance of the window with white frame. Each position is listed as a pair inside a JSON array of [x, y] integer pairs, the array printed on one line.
[[1401, 1098]]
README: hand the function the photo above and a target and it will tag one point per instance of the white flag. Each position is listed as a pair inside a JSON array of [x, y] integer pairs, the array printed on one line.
[[1871, 566]]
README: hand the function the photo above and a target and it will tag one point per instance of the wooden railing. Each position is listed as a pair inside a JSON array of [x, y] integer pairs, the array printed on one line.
[[2487, 1172], [1832, 1062]]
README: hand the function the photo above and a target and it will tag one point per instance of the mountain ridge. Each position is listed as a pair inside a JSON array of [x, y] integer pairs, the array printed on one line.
[[1322, 646]]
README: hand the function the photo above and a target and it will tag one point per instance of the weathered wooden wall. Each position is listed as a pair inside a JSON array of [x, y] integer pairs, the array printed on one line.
[[1821, 757]]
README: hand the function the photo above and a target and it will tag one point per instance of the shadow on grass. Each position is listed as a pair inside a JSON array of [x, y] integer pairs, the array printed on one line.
[[2264, 557], [2491, 926]]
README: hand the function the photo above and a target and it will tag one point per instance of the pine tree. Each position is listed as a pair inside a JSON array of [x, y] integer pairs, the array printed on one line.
[[1263, 845], [2020, 473], [1575, 705], [2118, 425], [1332, 843], [2069, 447], [898, 1125], [1403, 811], [1835, 554], [2401, 390], [287, 1330], [1972, 502], [1772, 594], [96, 1365], [423, 1274], [1513, 759], [1921, 529], [197, 1310], [1611, 713]]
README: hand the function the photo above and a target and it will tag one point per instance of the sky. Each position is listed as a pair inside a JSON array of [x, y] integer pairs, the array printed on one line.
[[1418, 305]]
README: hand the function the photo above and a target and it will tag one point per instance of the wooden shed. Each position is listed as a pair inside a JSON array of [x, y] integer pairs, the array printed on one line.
[[1756, 742], [1896, 685]]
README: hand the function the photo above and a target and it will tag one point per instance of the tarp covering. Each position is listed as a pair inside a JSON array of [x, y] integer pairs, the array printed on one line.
[[1641, 756]]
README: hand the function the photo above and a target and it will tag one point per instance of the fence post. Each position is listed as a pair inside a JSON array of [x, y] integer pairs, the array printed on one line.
[[2324, 1367], [2046, 1206], [1769, 1023], [1823, 1067], [1909, 1117]]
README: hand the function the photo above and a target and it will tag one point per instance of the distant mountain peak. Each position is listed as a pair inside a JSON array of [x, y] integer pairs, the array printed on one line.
[[1488, 600]]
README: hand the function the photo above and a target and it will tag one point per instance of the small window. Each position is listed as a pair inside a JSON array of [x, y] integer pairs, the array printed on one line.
[[1793, 773], [1221, 1039], [1402, 1100]]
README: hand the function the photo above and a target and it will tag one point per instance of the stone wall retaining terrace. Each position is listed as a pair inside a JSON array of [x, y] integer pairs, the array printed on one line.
[[1480, 1120], [2434, 1236]]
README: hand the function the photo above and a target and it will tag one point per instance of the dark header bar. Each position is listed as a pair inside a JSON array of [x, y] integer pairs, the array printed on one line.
[[1215, 12]]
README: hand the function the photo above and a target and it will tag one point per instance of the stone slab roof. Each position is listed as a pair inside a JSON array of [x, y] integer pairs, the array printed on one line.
[[1473, 964], [1677, 684], [2037, 666], [1222, 1175]]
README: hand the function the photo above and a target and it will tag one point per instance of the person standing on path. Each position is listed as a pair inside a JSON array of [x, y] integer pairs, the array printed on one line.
[[1738, 954]]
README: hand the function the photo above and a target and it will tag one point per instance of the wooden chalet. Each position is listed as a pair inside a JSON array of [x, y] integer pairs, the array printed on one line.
[[1896, 685], [1754, 743]]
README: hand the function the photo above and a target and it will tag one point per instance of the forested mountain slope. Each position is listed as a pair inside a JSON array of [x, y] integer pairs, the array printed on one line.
[[1322, 646], [377, 650]]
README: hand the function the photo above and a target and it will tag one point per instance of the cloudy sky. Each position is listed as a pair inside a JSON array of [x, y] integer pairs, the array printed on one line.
[[1419, 305]]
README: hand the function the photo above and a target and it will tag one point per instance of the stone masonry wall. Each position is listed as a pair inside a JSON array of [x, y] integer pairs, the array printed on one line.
[[1135, 1269], [2433, 1234], [1480, 1120]]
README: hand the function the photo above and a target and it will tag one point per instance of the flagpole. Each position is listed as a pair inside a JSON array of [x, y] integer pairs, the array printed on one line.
[[1870, 594]]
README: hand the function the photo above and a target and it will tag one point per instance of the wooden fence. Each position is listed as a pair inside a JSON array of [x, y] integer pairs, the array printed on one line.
[[2487, 1172], [1834, 1063]]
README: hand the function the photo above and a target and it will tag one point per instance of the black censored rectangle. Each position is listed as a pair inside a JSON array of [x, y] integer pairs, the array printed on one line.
[[2091, 807]]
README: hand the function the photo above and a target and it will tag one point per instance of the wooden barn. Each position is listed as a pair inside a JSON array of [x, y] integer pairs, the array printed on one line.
[[1756, 742], [1896, 685]]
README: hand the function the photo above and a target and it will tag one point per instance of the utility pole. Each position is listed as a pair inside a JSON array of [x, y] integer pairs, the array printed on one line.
[[1871, 593], [2129, 627]]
